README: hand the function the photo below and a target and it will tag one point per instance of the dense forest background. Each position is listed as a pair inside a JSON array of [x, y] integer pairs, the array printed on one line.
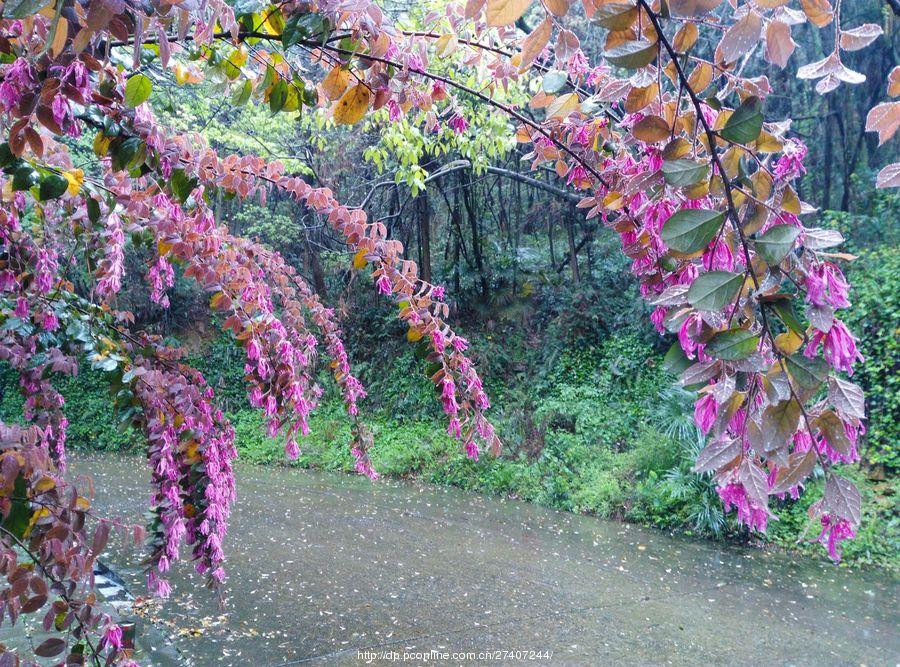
[[587, 411]]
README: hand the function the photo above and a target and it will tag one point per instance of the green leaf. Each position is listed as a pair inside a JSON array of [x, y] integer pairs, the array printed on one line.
[[300, 27], [675, 362], [19, 514], [278, 96], [691, 229], [137, 90], [52, 186], [20, 9], [714, 290], [181, 185], [24, 177], [632, 55], [684, 172], [808, 373], [776, 243], [93, 209], [745, 124], [242, 94], [785, 311], [7, 157], [554, 81], [127, 154], [733, 344]]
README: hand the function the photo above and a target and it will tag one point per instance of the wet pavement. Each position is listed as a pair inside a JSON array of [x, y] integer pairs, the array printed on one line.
[[324, 566]]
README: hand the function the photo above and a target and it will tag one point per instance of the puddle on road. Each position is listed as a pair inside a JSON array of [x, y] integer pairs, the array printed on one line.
[[323, 565]]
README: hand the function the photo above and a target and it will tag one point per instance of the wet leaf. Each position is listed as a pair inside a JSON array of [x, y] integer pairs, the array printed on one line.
[[716, 454], [745, 124], [715, 290], [775, 244], [842, 498], [632, 55], [353, 105], [800, 466], [691, 229], [684, 172], [733, 344], [779, 423], [847, 398], [50, 647], [808, 373]]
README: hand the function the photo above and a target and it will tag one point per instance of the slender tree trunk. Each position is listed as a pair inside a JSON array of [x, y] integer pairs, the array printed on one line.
[[827, 160], [468, 197], [573, 252]]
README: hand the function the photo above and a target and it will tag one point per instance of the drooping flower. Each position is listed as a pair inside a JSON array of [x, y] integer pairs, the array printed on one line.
[[383, 284], [705, 412], [827, 286], [112, 637], [790, 164], [458, 124], [839, 347], [834, 531], [734, 496]]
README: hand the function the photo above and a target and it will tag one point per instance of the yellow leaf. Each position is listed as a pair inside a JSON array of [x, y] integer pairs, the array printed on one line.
[[686, 37], [359, 260], [651, 129], [788, 342], [563, 105], [557, 7], [59, 38], [45, 483], [535, 42], [353, 105], [335, 83], [101, 144], [505, 12], [76, 180], [163, 248], [413, 335], [445, 45], [613, 201]]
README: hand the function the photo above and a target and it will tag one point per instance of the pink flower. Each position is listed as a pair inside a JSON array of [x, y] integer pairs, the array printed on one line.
[[18, 79], [658, 316], [839, 347], [834, 531], [472, 450], [383, 284], [578, 176], [582, 136], [395, 113], [733, 495], [690, 328], [21, 310], [790, 164], [718, 257], [827, 286], [112, 637], [578, 64], [705, 412], [439, 341], [291, 450], [458, 124], [50, 323]]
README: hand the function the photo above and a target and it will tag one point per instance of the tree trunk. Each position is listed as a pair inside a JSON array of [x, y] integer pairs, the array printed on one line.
[[573, 251]]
